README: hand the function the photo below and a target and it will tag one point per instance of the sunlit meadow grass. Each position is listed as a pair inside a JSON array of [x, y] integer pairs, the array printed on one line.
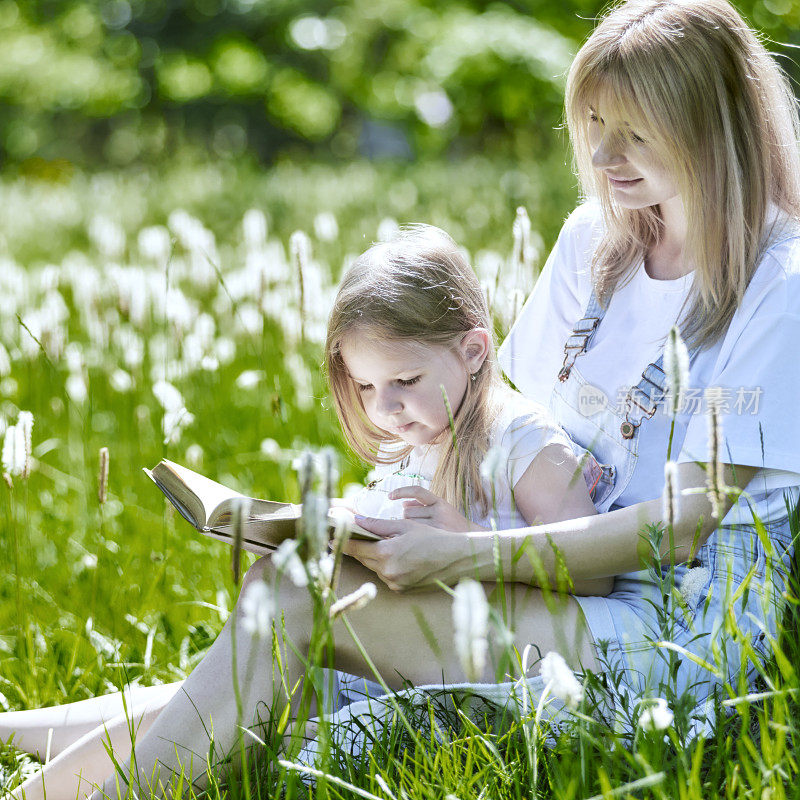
[[160, 316]]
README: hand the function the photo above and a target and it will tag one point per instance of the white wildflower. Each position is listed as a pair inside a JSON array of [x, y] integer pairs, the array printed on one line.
[[25, 423], [355, 600], [249, 379], [322, 569], [286, 560], [155, 243], [656, 716], [676, 367], [254, 228], [524, 252], [166, 394], [387, 229], [194, 454], [121, 381], [493, 462], [270, 449], [76, 388], [173, 423], [693, 583], [471, 623], [5, 362], [714, 472], [14, 450], [560, 679], [102, 476], [258, 609], [89, 561], [671, 493], [107, 236], [325, 226]]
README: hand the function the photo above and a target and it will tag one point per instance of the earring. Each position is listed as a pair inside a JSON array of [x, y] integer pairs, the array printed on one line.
[[474, 376]]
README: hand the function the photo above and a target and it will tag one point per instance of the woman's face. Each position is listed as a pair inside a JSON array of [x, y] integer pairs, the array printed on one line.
[[636, 177]]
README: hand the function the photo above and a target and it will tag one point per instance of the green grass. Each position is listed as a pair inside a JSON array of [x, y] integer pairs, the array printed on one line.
[[128, 591]]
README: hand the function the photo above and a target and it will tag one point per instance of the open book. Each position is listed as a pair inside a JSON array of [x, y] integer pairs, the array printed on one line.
[[208, 506]]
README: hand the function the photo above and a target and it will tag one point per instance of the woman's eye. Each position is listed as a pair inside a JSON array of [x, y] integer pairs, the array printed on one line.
[[363, 387], [409, 382]]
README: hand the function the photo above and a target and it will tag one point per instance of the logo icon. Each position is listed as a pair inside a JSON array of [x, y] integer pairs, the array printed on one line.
[[591, 400]]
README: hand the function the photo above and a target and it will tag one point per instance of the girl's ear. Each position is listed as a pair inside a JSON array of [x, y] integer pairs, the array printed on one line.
[[475, 346]]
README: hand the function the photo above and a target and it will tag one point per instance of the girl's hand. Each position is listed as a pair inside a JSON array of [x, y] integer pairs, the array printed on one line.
[[414, 555], [425, 506]]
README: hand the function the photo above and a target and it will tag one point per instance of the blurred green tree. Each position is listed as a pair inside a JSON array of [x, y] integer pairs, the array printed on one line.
[[99, 81]]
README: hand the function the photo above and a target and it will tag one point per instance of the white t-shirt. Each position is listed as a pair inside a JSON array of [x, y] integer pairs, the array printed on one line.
[[754, 364], [522, 430]]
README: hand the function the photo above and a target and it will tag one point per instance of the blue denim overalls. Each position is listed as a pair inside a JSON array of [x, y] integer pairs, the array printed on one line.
[[736, 578]]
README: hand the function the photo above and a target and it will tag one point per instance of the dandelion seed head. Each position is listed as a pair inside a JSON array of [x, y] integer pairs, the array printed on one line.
[[561, 679], [693, 583], [286, 560], [325, 226], [676, 367], [14, 451], [656, 715], [493, 463], [671, 493], [258, 609], [355, 600], [249, 379], [471, 625], [254, 229]]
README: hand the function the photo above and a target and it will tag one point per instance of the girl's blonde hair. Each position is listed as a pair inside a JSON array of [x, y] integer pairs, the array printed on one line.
[[417, 287], [692, 78]]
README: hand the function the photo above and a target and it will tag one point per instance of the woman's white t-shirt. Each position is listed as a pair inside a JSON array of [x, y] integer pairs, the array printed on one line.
[[753, 367], [522, 430]]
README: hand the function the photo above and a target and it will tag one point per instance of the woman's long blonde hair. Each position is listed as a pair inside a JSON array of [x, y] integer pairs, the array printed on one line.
[[417, 287], [693, 79]]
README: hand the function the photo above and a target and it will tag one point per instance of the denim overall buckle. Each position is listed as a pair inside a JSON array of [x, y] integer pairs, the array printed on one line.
[[576, 344]]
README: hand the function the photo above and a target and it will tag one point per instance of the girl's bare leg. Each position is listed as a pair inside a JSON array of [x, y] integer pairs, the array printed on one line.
[[179, 738], [82, 766], [72, 721]]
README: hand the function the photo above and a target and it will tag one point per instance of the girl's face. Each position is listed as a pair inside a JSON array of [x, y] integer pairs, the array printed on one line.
[[400, 382], [636, 176]]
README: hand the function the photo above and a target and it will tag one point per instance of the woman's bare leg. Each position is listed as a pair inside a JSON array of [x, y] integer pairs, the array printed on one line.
[[388, 627], [85, 763], [71, 721]]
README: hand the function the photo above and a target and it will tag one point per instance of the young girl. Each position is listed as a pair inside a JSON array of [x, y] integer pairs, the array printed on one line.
[[411, 366]]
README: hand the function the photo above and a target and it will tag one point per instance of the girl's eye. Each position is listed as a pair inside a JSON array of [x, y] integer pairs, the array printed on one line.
[[363, 387], [409, 382]]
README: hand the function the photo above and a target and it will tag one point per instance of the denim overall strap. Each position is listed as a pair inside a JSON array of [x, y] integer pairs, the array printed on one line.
[[643, 399], [582, 333]]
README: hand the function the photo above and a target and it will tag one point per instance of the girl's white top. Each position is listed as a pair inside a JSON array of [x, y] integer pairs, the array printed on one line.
[[522, 430], [753, 367]]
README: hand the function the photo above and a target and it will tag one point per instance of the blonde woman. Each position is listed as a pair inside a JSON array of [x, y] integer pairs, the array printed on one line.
[[685, 136]]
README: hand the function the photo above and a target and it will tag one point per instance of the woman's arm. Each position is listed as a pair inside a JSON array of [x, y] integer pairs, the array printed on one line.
[[415, 555]]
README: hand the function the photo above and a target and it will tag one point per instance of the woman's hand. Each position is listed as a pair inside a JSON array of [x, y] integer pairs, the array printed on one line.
[[414, 555], [425, 506]]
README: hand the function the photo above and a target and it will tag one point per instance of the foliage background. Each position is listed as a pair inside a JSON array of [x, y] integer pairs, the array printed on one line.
[[120, 82]]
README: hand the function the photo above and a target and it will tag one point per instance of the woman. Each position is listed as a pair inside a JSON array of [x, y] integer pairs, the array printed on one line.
[[685, 131]]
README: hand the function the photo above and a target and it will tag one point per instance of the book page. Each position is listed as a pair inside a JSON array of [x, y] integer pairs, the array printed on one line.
[[209, 493]]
